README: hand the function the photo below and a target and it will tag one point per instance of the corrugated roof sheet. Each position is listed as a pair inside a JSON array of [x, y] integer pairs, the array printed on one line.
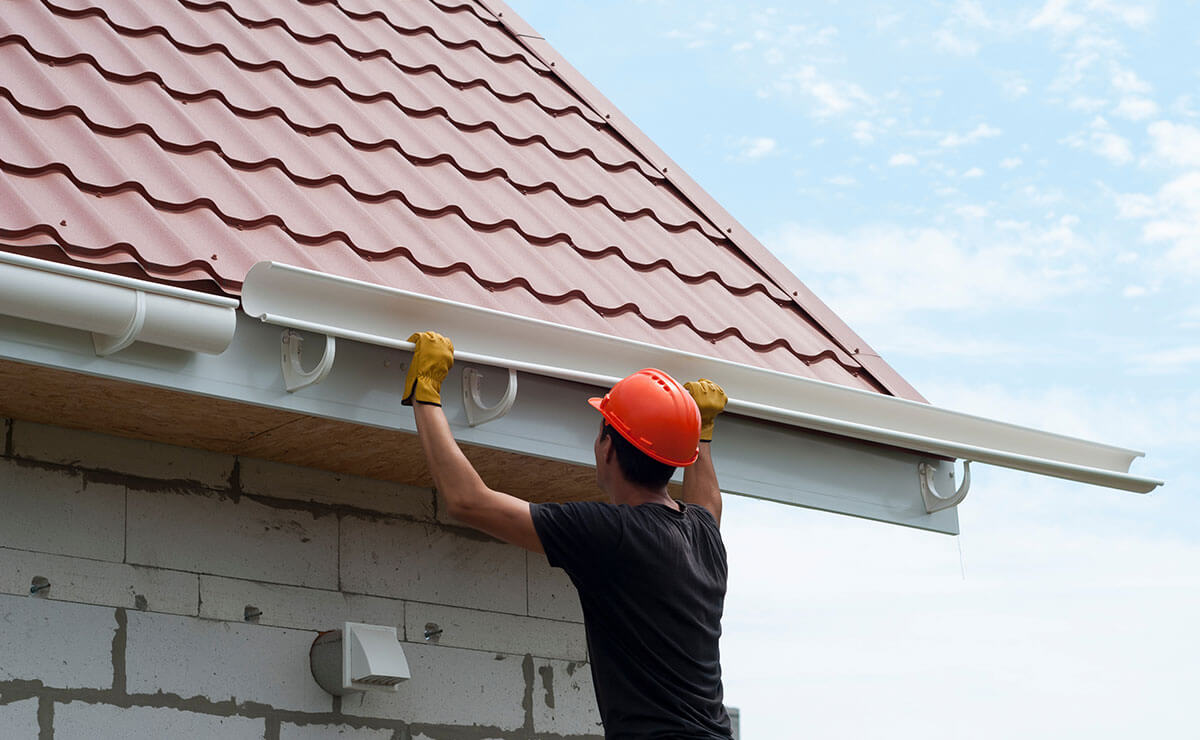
[[420, 145]]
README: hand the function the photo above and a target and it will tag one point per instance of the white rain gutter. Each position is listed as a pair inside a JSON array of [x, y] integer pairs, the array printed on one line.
[[351, 309], [117, 310]]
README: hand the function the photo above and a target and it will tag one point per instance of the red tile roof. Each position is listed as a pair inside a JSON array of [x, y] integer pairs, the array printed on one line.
[[425, 146]]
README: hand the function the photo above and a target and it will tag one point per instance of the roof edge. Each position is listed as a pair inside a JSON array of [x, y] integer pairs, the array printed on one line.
[[761, 257]]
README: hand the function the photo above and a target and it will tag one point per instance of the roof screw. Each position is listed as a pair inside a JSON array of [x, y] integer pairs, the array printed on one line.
[[664, 169], [39, 584], [251, 613], [432, 631], [63, 222], [729, 230]]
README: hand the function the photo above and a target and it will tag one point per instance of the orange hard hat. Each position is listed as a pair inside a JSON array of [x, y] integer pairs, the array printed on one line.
[[657, 414]]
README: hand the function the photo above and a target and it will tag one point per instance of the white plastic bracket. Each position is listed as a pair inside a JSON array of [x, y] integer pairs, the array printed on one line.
[[935, 501], [477, 413], [107, 345], [295, 376]]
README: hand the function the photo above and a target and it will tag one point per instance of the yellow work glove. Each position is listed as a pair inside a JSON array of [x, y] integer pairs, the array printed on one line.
[[432, 358], [711, 400]]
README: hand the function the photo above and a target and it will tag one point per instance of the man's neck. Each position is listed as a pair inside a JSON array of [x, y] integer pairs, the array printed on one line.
[[634, 495]]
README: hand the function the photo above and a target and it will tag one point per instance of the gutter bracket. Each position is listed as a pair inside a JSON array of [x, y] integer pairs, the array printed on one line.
[[477, 413], [934, 501], [106, 345], [295, 376]]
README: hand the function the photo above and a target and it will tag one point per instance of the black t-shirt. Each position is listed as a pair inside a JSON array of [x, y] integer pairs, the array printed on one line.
[[651, 582]]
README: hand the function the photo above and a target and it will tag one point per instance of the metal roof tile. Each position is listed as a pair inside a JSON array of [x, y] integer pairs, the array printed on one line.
[[422, 146]]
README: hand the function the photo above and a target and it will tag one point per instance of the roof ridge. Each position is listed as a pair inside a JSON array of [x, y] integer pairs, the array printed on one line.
[[759, 256]]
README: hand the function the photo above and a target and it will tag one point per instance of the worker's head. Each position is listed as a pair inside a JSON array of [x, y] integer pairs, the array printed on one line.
[[652, 415], [615, 454]]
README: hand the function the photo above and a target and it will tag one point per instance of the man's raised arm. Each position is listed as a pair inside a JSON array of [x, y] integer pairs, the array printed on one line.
[[466, 496], [700, 479]]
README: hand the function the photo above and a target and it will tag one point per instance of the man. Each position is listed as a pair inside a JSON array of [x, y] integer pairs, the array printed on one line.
[[650, 570]]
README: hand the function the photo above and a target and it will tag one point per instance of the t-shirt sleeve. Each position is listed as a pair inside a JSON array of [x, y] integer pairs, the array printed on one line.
[[578, 536]]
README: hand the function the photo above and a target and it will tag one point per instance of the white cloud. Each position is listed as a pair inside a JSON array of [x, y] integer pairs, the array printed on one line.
[[1015, 87], [1127, 81], [755, 148], [952, 43], [1102, 140], [973, 173], [1168, 362], [1172, 218], [902, 159], [972, 211], [1133, 291], [1056, 16], [871, 276], [1010, 163], [1135, 108], [1113, 147], [842, 180], [832, 97], [1175, 144], [863, 131], [982, 131]]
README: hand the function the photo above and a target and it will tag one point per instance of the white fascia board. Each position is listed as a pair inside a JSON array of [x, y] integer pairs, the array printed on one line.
[[351, 309], [117, 310], [550, 419]]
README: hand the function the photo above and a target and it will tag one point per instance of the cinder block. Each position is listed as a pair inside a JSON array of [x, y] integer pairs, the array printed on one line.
[[430, 563], [293, 606], [267, 478], [222, 661], [19, 719], [243, 539], [450, 686], [289, 731], [564, 700], [63, 645], [119, 454], [99, 582], [77, 719], [497, 632], [60, 512], [551, 593]]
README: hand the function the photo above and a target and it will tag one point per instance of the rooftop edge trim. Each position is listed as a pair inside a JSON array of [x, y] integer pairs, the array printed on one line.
[[117, 310], [762, 258], [352, 309]]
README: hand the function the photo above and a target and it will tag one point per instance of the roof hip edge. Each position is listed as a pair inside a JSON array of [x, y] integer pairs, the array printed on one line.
[[758, 255]]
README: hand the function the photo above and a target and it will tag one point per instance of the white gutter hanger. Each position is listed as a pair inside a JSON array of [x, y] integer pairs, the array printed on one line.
[[117, 310], [351, 309]]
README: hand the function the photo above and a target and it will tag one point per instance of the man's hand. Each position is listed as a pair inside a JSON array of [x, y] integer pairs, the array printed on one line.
[[711, 399], [431, 361]]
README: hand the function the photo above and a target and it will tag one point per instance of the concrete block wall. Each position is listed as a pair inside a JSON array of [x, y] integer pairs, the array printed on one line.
[[155, 555]]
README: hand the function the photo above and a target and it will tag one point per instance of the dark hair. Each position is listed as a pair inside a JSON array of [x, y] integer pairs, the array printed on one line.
[[636, 465]]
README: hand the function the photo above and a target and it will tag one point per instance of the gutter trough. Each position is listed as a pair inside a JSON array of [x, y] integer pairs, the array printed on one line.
[[340, 307], [117, 310]]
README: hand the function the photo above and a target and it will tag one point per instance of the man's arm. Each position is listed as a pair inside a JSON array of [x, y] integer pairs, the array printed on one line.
[[700, 483], [700, 479], [467, 498]]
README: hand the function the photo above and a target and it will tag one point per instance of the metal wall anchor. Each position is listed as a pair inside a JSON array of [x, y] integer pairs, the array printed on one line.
[[295, 376], [477, 413], [935, 501]]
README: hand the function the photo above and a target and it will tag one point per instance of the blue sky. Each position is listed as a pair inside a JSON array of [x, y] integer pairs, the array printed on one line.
[[1004, 199]]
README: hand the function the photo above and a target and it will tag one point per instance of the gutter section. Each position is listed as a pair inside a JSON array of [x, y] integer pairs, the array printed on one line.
[[117, 310], [351, 309]]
